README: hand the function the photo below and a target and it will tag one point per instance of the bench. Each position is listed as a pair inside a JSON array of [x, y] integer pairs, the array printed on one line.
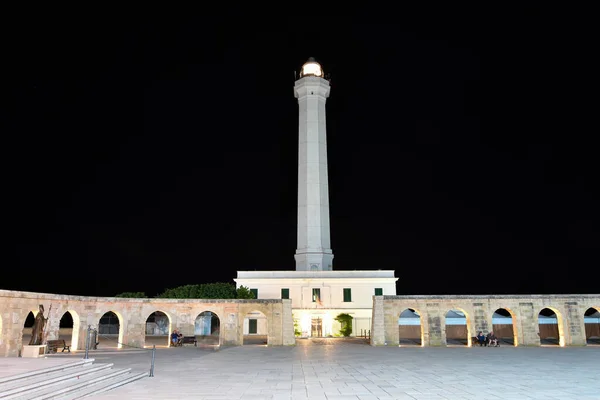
[[54, 345], [475, 342], [184, 340], [189, 340]]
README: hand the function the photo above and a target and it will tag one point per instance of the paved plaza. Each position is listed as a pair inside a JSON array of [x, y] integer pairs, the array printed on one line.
[[338, 369]]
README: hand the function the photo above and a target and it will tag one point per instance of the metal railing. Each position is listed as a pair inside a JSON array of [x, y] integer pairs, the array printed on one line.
[[92, 336]]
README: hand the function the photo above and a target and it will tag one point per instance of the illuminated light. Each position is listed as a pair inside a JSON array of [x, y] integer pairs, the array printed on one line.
[[305, 325], [327, 325], [311, 68]]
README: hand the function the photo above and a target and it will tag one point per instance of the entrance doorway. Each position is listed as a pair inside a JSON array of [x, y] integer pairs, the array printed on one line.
[[255, 328], [316, 327]]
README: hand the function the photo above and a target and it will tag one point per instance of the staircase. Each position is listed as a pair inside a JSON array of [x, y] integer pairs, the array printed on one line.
[[67, 381]]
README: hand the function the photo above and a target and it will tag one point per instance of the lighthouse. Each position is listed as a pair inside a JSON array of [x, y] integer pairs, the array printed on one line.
[[314, 293], [313, 252]]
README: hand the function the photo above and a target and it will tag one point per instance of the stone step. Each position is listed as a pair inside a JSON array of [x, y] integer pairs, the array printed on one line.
[[43, 371], [96, 380], [103, 386], [36, 382]]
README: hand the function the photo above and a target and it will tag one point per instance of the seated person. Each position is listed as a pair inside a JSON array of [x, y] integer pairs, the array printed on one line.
[[179, 338], [174, 338], [492, 340], [481, 339]]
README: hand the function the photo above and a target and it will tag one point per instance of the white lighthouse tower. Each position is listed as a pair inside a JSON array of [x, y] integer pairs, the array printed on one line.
[[318, 293], [313, 252]]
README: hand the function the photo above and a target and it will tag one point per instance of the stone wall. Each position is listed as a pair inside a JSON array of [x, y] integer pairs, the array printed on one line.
[[478, 310], [132, 315]]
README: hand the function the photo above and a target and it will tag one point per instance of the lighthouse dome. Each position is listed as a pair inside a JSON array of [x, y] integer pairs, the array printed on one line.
[[311, 68]]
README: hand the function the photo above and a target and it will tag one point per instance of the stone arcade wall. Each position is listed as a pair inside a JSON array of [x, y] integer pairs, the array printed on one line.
[[133, 313], [478, 310]]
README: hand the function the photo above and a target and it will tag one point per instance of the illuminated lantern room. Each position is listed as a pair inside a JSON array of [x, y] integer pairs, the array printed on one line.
[[311, 68]]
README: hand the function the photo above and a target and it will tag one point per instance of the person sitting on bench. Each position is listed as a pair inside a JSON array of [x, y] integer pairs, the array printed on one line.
[[481, 339], [175, 338], [492, 340]]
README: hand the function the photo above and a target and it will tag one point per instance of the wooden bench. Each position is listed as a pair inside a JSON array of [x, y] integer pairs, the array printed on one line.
[[475, 342], [184, 340], [189, 340], [54, 345]]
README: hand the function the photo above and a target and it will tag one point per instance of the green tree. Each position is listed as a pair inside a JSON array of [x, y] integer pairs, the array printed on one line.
[[244, 293], [217, 290], [134, 295], [346, 321], [297, 331]]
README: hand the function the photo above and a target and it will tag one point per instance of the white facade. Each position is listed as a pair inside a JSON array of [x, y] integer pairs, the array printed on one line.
[[336, 292]]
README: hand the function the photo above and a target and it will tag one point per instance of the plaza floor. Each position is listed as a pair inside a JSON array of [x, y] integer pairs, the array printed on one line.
[[338, 369]]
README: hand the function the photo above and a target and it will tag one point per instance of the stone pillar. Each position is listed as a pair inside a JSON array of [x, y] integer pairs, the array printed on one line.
[[435, 336], [83, 332], [574, 324], [424, 327], [482, 320], [2, 335], [390, 321], [53, 323], [378, 323], [12, 332], [530, 329], [232, 327], [274, 325], [289, 338], [134, 330], [186, 323]]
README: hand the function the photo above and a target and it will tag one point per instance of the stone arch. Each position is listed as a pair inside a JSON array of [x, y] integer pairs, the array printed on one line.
[[158, 329], [106, 332], [27, 325], [550, 332], [255, 328], [410, 328], [460, 330], [207, 328], [591, 318], [71, 337], [505, 331]]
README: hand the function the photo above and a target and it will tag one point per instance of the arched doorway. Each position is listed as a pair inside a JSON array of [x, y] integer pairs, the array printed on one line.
[[592, 325], [27, 325], [410, 329], [457, 326], [504, 326], [68, 329], [158, 329], [255, 328], [207, 328], [110, 334], [550, 327]]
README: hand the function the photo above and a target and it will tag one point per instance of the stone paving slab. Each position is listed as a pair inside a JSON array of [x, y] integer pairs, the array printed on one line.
[[15, 365], [360, 372]]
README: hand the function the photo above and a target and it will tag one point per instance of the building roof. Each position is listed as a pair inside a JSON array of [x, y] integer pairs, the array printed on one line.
[[315, 274]]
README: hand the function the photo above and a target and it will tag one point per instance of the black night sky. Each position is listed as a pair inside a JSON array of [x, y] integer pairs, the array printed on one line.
[[147, 156]]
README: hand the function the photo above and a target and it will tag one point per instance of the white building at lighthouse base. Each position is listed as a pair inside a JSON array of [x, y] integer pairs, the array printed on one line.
[[318, 297]]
